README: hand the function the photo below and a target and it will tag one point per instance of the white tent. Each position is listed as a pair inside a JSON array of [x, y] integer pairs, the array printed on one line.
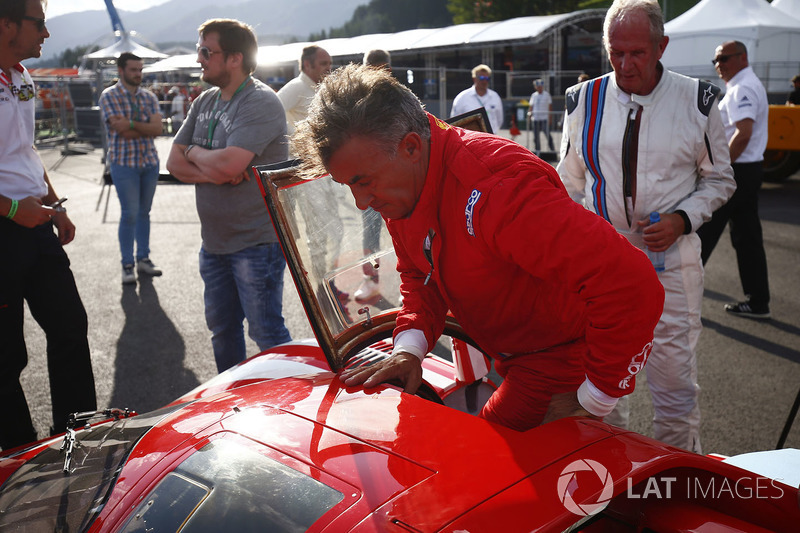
[[174, 63], [125, 43], [772, 38], [791, 7]]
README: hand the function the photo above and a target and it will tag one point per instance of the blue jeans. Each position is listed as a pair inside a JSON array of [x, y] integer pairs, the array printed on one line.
[[135, 189], [245, 284], [542, 126]]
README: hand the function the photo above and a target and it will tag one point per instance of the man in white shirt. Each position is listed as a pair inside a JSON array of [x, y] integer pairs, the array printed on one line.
[[480, 95], [744, 111], [34, 229], [296, 96], [177, 109], [541, 104]]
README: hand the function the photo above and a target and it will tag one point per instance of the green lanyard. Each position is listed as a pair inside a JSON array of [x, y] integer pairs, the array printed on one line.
[[215, 115], [136, 114]]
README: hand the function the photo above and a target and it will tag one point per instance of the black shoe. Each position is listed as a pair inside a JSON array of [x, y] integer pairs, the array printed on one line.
[[745, 310]]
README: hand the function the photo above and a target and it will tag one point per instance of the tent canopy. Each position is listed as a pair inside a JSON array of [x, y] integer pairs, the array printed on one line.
[[173, 63], [474, 35], [770, 35], [125, 43], [791, 7]]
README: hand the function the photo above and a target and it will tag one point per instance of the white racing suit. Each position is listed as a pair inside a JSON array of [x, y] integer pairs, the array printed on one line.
[[675, 160]]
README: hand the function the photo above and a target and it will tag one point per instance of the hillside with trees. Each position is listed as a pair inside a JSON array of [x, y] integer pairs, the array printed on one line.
[[391, 16]]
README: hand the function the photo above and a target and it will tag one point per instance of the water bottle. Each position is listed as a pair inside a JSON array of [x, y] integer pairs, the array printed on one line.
[[657, 258]]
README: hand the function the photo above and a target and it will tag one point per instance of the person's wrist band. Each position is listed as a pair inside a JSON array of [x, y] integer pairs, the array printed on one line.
[[187, 150], [131, 124], [13, 210]]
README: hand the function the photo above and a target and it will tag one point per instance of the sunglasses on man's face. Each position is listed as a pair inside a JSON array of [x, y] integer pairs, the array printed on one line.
[[723, 59], [206, 53], [484, 78], [40, 23]]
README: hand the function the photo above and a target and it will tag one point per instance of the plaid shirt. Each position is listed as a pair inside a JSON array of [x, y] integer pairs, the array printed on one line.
[[135, 153]]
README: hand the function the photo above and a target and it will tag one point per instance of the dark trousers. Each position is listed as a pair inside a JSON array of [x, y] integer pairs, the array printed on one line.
[[542, 126], [34, 268], [742, 213]]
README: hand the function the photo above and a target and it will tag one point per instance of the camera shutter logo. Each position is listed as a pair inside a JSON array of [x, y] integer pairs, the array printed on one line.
[[568, 485]]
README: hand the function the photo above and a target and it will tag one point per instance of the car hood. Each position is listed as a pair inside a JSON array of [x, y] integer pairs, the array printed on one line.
[[406, 456]]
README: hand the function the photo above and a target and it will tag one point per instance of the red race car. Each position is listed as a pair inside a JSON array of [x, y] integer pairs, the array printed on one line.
[[278, 443]]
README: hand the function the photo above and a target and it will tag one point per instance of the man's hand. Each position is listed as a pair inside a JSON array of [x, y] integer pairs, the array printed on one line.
[[31, 212], [565, 404], [119, 123], [65, 227], [661, 235], [402, 365]]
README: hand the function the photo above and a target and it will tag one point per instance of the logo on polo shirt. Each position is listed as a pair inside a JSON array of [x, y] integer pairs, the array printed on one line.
[[745, 102]]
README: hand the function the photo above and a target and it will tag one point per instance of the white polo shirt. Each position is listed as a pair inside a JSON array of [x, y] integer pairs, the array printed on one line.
[[296, 98], [746, 98], [469, 99], [540, 105], [21, 171]]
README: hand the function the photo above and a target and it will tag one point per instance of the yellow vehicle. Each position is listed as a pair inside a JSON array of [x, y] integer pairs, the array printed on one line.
[[782, 156]]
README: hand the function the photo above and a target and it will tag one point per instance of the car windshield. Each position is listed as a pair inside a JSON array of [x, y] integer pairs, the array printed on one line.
[[43, 498], [336, 250], [230, 485]]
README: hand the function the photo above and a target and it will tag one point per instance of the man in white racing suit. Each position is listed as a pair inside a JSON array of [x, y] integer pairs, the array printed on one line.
[[640, 140]]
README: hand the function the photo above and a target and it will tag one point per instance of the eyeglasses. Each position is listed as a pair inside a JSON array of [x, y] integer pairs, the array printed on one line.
[[484, 78], [206, 53], [724, 59], [40, 23]]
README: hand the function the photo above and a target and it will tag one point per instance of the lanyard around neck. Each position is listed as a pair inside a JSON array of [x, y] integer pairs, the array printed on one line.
[[215, 115], [136, 114]]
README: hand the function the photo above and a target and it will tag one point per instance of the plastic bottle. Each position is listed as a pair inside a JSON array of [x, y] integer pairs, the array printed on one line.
[[657, 258]]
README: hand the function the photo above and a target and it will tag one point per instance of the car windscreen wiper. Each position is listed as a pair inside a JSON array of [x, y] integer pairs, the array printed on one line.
[[83, 418]]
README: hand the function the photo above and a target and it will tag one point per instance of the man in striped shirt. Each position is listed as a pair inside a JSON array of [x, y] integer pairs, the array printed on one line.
[[133, 119]]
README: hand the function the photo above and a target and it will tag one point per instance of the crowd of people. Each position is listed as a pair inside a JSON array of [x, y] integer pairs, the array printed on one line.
[[529, 226]]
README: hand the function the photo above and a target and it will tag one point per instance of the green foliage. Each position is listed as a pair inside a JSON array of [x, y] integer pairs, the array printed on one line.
[[465, 11], [391, 16], [671, 8], [71, 57]]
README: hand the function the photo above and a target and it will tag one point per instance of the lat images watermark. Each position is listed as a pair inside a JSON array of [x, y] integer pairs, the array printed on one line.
[[568, 486], [705, 488], [585, 487]]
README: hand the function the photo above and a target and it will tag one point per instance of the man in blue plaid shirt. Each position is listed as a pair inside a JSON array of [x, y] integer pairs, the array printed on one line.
[[133, 119]]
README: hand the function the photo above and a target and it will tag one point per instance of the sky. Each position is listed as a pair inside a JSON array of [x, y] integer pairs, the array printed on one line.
[[62, 7]]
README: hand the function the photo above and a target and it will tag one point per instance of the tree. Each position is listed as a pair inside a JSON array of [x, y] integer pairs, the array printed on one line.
[[71, 57], [465, 11], [391, 16]]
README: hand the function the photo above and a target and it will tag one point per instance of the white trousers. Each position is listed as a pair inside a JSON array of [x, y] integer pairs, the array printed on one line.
[[672, 366]]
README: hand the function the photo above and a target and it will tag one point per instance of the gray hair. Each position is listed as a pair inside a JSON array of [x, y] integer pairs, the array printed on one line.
[[357, 100], [622, 8]]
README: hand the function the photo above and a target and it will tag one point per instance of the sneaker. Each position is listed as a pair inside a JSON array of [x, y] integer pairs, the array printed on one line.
[[128, 277], [145, 266], [745, 310], [368, 291]]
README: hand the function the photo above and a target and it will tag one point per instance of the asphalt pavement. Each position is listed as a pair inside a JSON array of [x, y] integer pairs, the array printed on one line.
[[150, 344]]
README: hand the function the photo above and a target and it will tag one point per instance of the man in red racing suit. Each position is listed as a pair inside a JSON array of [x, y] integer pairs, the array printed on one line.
[[483, 228]]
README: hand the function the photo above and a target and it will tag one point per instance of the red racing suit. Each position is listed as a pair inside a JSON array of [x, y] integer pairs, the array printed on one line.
[[530, 275]]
